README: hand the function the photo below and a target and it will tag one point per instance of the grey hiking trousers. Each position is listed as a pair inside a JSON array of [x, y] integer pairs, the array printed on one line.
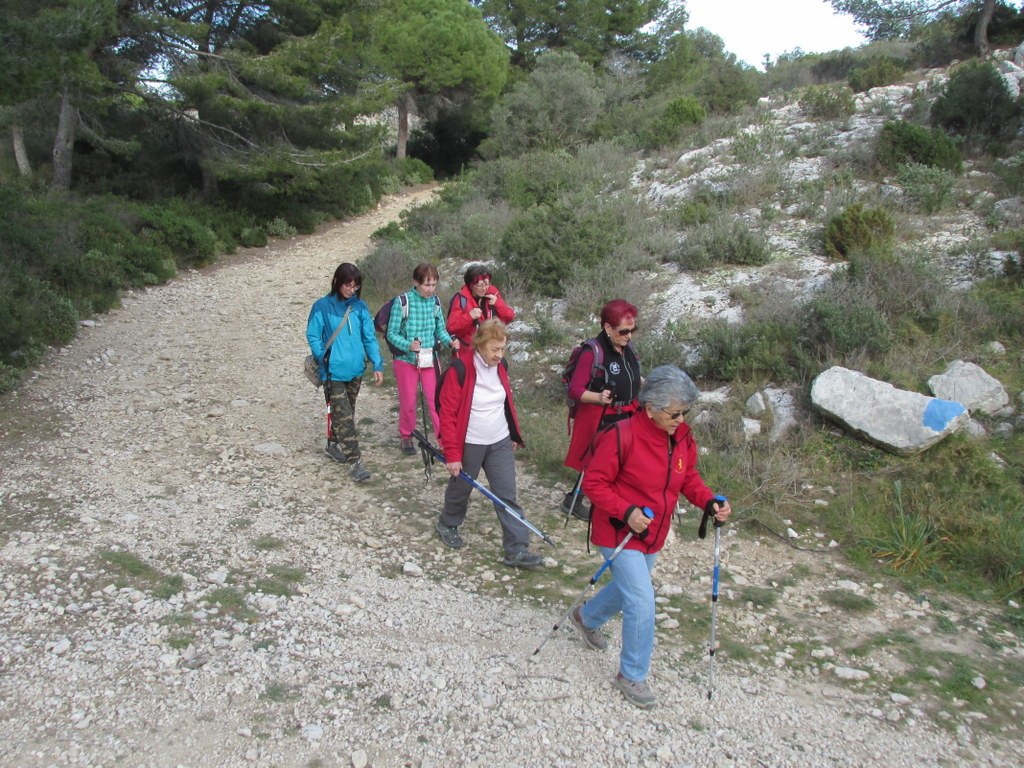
[[499, 465]]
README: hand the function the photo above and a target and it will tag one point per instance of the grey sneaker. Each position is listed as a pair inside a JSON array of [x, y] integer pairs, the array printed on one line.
[[637, 692], [359, 473], [580, 510], [592, 638], [407, 447], [523, 559], [449, 535], [335, 452]]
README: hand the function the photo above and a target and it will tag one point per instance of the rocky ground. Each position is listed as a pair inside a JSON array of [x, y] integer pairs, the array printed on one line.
[[186, 580]]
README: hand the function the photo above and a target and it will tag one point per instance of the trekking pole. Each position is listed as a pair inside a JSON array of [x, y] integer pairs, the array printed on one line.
[[579, 480], [575, 497], [506, 506], [649, 514], [714, 593]]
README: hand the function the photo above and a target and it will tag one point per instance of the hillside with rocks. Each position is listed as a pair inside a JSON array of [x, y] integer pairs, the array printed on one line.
[[185, 578]]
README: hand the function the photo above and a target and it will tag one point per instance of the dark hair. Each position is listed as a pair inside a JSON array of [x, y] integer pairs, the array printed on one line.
[[423, 271], [346, 273], [617, 310], [475, 271]]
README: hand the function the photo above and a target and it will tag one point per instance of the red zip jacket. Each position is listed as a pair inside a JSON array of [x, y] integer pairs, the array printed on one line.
[[462, 326], [636, 463], [456, 402]]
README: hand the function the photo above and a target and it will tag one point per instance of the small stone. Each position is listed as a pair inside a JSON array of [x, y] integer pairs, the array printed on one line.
[[411, 569], [61, 646], [848, 673], [360, 759]]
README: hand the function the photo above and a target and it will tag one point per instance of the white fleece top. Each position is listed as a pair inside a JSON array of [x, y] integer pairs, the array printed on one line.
[[487, 423]]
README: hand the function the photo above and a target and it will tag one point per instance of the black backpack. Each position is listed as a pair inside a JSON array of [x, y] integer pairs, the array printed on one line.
[[596, 369]]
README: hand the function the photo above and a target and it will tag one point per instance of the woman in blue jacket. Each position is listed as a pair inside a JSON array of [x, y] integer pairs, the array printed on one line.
[[345, 316]]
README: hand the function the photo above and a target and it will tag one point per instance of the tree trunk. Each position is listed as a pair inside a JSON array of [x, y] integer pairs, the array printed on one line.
[[20, 155], [404, 107], [981, 29], [64, 144]]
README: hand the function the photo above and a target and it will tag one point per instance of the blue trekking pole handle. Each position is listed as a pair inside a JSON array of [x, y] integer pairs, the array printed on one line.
[[424, 443]]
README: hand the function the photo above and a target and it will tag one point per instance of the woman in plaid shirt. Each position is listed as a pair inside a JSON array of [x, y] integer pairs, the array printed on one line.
[[415, 333]]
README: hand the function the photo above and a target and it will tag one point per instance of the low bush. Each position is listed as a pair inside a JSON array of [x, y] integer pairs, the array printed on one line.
[[678, 114], [927, 188], [876, 71], [755, 350], [900, 142], [858, 228], [828, 102], [411, 170], [975, 104], [546, 242], [722, 242]]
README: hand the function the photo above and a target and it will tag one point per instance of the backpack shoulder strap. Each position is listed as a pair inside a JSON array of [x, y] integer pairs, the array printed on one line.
[[403, 301], [598, 362]]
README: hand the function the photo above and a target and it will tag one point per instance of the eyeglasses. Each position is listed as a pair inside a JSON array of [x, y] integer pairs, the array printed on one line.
[[479, 278], [675, 415], [625, 331]]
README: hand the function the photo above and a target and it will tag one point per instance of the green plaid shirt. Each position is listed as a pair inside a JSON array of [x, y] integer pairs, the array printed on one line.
[[425, 322]]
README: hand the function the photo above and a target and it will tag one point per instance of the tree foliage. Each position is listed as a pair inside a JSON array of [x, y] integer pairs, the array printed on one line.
[[883, 19]]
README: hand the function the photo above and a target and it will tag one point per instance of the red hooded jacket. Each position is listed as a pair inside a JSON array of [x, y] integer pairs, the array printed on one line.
[[456, 402], [463, 326], [637, 464]]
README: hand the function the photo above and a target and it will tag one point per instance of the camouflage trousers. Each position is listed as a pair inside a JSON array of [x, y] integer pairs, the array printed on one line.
[[341, 396]]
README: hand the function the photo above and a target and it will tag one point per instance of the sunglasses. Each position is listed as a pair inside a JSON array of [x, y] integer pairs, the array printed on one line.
[[675, 415], [625, 331]]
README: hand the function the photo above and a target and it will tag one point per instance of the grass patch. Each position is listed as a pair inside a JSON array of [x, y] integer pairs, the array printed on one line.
[[231, 601], [279, 693], [760, 597], [132, 571], [267, 543], [281, 581], [849, 601]]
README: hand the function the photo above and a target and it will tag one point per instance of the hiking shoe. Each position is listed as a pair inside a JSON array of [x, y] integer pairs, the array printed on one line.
[[407, 447], [581, 511], [449, 535], [637, 692], [592, 638], [335, 452], [359, 473], [523, 559]]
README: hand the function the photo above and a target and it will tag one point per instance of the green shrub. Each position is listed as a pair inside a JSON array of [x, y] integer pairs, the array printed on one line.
[[876, 71], [34, 316], [840, 322], [722, 242], [858, 228], [174, 224], [678, 114], [546, 241], [701, 207], [975, 103], [926, 187], [901, 142], [752, 350], [535, 178], [828, 102], [412, 170], [664, 347]]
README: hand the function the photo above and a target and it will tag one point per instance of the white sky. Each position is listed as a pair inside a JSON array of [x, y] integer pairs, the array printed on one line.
[[752, 28]]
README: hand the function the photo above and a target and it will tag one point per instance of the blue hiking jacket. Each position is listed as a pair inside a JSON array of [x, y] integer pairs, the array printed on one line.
[[356, 342]]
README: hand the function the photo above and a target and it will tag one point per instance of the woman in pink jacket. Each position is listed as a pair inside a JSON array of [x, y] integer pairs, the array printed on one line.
[[647, 461]]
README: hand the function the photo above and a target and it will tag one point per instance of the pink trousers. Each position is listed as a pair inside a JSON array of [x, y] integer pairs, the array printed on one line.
[[408, 376]]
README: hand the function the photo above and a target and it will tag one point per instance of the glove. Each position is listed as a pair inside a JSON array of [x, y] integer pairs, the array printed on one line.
[[709, 514]]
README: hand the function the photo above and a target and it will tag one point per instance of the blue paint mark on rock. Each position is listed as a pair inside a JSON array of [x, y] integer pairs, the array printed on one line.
[[939, 413]]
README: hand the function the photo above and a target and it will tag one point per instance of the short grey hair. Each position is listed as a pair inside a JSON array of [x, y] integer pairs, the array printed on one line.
[[666, 385]]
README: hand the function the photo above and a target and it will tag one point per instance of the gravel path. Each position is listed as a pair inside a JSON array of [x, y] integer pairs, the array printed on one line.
[[163, 484]]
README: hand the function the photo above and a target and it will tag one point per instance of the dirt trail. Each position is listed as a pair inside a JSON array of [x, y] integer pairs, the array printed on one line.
[[185, 579]]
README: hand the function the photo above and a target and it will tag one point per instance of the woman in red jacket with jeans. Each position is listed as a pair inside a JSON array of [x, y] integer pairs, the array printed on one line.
[[644, 461]]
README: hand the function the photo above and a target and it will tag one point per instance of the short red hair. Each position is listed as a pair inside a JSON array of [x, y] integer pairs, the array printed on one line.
[[617, 310]]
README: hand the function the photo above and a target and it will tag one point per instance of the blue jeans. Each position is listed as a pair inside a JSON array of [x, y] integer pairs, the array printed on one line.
[[631, 592]]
